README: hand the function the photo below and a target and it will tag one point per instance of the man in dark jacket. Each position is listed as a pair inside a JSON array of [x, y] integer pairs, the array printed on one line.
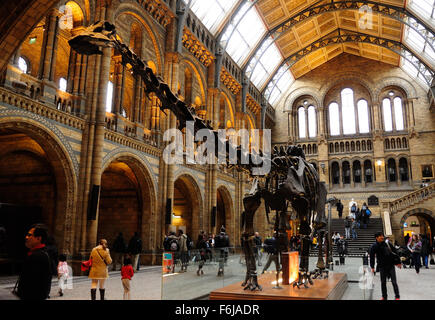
[[271, 247], [222, 242], [134, 249], [384, 253], [118, 251], [339, 209], [342, 249], [35, 279]]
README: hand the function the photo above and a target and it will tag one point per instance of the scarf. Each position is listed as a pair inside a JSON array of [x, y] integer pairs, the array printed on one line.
[[40, 246]]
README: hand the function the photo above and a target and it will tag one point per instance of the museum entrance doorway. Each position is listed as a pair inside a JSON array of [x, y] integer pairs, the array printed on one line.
[[419, 221]]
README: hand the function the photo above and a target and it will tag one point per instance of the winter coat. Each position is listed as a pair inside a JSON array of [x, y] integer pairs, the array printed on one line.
[[119, 245], [342, 246], [182, 243], [414, 246], [347, 222], [135, 245], [425, 247], [35, 278], [99, 267], [383, 255]]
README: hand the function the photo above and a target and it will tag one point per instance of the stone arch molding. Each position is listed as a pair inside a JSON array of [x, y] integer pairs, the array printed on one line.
[[343, 78], [297, 93], [33, 123], [414, 211], [124, 152], [54, 142], [401, 83]]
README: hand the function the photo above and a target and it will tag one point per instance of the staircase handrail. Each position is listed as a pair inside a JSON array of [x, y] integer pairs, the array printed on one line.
[[412, 198]]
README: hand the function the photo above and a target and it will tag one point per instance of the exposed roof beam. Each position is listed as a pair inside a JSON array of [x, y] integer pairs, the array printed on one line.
[[352, 36], [398, 13]]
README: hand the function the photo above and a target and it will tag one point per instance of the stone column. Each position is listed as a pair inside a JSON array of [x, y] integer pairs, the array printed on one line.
[[98, 141], [398, 177], [48, 58], [352, 176], [340, 167]]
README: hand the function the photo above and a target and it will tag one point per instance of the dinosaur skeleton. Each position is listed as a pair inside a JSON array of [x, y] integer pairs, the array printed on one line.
[[290, 181]]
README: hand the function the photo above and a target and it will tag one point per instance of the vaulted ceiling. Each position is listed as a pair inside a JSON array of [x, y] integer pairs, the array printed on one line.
[[308, 33]]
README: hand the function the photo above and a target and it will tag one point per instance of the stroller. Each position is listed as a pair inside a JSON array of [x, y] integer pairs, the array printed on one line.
[[405, 256]]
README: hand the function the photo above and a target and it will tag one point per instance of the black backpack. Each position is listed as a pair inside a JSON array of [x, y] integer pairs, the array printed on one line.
[[173, 245]]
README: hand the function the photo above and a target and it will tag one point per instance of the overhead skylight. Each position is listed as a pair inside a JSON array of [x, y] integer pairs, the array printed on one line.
[[241, 37], [424, 9], [212, 12], [266, 64], [280, 83], [420, 46]]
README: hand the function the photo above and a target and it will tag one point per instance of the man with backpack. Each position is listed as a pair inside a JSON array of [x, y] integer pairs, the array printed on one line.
[[366, 215], [183, 249], [222, 242], [134, 249], [271, 247], [170, 244]]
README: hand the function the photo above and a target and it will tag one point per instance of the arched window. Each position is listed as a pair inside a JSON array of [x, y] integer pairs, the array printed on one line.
[[398, 113], [357, 171], [388, 119], [312, 122], [62, 84], [393, 112], [346, 172], [368, 172], [109, 96], [301, 120], [348, 111], [363, 116], [334, 120], [335, 171], [22, 65], [403, 169], [391, 170]]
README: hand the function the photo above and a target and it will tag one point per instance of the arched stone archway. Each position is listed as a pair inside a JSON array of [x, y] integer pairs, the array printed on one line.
[[188, 206], [128, 201], [422, 215], [225, 212], [37, 171]]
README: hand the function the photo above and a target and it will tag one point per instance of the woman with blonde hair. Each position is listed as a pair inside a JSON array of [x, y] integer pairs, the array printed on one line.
[[414, 245], [100, 257]]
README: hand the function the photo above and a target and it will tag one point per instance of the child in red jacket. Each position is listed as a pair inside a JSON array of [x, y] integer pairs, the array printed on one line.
[[127, 273]]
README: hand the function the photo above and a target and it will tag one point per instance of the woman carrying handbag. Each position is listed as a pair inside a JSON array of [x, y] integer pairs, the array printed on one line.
[[100, 257]]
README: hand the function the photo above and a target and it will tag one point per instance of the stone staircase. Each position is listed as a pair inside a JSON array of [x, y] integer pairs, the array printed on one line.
[[358, 247]]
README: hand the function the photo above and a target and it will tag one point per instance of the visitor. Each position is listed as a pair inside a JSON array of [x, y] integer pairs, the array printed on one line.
[[127, 273], [342, 249], [62, 273], [352, 208], [414, 245], [425, 250], [358, 217], [335, 237], [202, 246], [339, 206], [347, 225], [271, 248], [34, 282], [354, 226], [118, 251], [407, 237], [134, 249], [365, 216], [222, 242], [100, 256], [385, 261], [171, 245], [183, 250], [257, 249]]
